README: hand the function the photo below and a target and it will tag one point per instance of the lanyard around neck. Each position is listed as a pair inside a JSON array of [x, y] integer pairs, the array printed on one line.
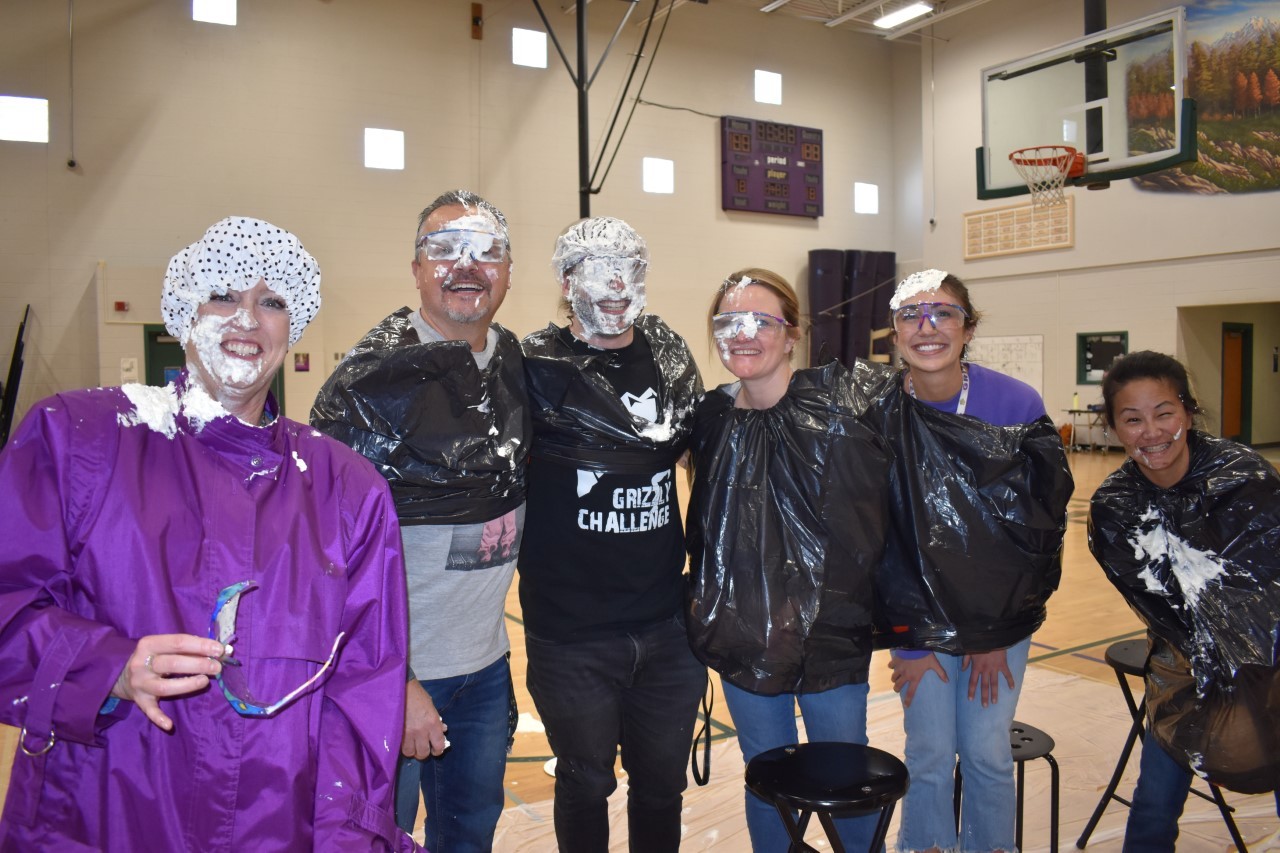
[[963, 402]]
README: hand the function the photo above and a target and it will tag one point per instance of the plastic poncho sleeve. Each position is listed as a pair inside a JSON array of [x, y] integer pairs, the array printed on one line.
[[978, 515]]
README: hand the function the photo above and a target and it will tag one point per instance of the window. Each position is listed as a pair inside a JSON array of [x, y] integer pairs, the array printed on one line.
[[528, 48], [24, 119], [866, 198], [214, 11], [659, 175], [768, 87], [383, 149]]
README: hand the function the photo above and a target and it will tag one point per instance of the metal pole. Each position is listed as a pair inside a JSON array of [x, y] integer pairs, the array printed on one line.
[[584, 146]]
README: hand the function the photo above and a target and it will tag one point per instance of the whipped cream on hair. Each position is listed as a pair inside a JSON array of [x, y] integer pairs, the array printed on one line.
[[914, 284]]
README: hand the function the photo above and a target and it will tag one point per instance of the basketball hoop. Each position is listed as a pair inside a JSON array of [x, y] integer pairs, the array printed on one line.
[[1046, 168]]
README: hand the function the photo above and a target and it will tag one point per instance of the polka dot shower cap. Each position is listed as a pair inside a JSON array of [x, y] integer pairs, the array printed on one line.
[[233, 255], [600, 236]]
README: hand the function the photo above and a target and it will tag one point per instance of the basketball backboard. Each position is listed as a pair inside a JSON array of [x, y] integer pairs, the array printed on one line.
[[1116, 95]]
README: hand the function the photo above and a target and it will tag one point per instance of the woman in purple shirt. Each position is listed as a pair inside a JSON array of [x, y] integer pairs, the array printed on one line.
[[954, 705], [202, 603]]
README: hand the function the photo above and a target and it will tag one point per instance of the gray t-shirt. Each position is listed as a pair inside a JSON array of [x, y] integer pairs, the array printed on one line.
[[458, 578]]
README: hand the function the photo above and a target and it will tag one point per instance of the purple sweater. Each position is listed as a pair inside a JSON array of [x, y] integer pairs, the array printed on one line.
[[996, 398], [126, 518]]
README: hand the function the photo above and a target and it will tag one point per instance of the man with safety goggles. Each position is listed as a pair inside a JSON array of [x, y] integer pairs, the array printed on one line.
[[422, 384]]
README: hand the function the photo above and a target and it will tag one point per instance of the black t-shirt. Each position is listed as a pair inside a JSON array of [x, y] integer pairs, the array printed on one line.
[[603, 553]]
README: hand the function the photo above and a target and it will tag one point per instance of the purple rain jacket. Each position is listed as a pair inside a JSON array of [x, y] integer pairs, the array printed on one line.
[[115, 530]]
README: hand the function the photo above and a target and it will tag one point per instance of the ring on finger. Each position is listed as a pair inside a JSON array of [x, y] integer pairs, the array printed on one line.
[[147, 663]]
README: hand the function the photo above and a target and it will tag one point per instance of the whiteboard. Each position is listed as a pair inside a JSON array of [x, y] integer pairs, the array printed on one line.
[[1020, 356]]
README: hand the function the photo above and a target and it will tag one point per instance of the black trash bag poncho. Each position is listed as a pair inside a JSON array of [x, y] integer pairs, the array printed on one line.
[[580, 420], [451, 439], [1200, 564], [786, 525], [978, 515]]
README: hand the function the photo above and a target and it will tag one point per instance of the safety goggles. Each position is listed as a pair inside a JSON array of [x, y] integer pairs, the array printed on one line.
[[604, 268], [730, 324], [451, 244], [941, 315], [222, 627]]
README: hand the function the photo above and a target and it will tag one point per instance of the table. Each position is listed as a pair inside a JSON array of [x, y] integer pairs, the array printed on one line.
[[1087, 419]]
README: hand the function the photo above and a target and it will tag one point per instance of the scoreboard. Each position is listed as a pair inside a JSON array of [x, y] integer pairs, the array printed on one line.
[[770, 168]]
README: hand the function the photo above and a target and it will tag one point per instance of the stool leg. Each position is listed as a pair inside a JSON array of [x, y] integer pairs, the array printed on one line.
[[1226, 817], [1109, 794], [1053, 803], [1017, 826], [794, 831], [955, 798], [882, 827], [832, 835]]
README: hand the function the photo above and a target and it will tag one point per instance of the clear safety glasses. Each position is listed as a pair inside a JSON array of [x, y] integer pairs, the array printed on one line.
[[606, 269], [941, 315], [730, 324], [450, 245], [222, 627]]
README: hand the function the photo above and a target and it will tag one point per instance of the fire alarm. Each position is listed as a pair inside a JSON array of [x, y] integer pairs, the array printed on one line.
[[121, 306]]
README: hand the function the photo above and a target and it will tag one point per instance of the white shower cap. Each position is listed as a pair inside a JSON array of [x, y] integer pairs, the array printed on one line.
[[233, 255], [600, 236]]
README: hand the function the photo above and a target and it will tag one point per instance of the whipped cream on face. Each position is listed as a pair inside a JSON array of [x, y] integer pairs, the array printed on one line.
[[207, 334], [1146, 460], [586, 298], [914, 284], [748, 325], [486, 231]]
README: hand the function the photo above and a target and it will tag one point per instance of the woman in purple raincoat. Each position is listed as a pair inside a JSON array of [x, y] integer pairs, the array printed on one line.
[[202, 606]]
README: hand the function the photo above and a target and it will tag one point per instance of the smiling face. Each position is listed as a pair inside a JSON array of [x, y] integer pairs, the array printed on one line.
[[751, 345], [466, 289], [1152, 423], [607, 294], [931, 347], [236, 344]]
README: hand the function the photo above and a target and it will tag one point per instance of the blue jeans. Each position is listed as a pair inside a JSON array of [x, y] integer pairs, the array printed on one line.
[[639, 691], [1158, 799], [943, 723], [766, 722], [462, 788]]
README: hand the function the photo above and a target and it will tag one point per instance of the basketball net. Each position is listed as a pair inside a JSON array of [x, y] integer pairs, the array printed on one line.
[[1045, 169]]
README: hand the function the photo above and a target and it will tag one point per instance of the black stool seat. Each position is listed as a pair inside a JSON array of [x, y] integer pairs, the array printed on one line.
[[1128, 656], [1026, 743], [1029, 743], [830, 780]]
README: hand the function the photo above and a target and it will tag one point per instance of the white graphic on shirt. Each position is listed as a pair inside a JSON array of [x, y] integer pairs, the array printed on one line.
[[587, 481], [645, 406], [635, 510]]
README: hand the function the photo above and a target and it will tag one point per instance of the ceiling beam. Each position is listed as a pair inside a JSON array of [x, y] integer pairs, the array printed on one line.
[[857, 10], [931, 19]]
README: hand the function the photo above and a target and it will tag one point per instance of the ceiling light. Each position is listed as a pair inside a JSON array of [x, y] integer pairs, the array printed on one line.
[[906, 13]]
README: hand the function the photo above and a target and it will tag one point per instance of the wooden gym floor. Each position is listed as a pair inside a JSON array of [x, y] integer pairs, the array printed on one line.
[[1070, 693]]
